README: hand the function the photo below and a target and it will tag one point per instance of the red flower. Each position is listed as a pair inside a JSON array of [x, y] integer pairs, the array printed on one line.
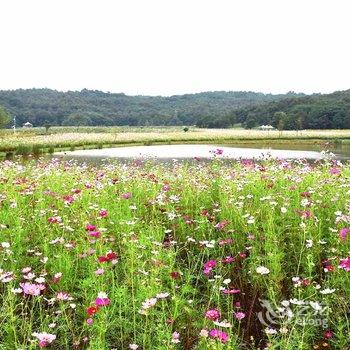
[[92, 310]]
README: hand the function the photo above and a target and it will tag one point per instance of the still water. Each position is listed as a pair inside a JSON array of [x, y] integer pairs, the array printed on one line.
[[200, 151]]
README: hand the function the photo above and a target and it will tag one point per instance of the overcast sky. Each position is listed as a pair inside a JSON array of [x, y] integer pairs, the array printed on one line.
[[165, 47]]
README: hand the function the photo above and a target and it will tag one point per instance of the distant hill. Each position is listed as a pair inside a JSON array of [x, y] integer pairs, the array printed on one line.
[[87, 107], [328, 111]]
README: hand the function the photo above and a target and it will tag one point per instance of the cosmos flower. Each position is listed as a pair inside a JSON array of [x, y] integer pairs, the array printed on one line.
[[208, 266], [175, 338], [345, 264], [219, 335], [32, 288], [44, 338], [343, 233], [240, 315], [212, 314], [262, 270], [102, 299]]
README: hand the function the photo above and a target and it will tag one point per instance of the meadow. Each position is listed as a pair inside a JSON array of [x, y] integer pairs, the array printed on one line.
[[220, 255], [37, 140]]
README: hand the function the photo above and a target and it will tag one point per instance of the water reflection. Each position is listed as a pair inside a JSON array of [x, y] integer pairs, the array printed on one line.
[[200, 151]]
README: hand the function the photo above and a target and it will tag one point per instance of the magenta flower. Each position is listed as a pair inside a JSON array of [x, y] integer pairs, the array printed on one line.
[[208, 266], [345, 264], [102, 299], [213, 314], [95, 234], [343, 233], [103, 213], [219, 151], [90, 227], [219, 335], [231, 291]]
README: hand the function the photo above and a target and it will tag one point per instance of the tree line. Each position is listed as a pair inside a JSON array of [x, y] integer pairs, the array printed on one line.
[[90, 107], [218, 109]]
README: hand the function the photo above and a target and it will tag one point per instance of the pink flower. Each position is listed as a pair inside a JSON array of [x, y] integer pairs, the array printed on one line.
[[54, 219], [166, 187], [99, 272], [345, 264], [208, 266], [63, 296], [90, 227], [231, 291], [239, 315], [328, 334], [126, 195], [103, 213], [175, 337], [221, 225], [68, 199], [218, 334], [95, 234], [228, 259], [343, 233], [102, 299], [225, 241], [89, 321], [32, 288], [334, 171], [44, 338], [213, 314]]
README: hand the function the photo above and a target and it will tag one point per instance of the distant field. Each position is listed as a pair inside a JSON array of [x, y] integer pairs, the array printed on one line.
[[64, 137]]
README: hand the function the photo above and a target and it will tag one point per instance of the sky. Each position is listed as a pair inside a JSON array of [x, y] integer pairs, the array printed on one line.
[[167, 47]]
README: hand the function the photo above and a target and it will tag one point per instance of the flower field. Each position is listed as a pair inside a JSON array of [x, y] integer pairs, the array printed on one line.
[[25, 140], [240, 255]]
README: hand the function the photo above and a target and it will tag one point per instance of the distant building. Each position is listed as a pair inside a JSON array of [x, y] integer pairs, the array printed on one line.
[[27, 125], [266, 127]]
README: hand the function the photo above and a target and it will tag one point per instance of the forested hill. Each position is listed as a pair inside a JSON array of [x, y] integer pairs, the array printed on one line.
[[329, 111], [87, 107]]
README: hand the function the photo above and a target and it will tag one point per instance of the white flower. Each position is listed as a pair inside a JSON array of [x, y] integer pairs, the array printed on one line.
[[226, 281], [315, 305], [133, 346], [262, 270], [102, 295], [5, 245], [270, 331], [204, 333], [283, 210], [309, 243], [327, 291], [223, 324], [162, 295]]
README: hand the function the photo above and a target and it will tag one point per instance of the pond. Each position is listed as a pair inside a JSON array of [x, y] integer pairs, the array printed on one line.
[[201, 151]]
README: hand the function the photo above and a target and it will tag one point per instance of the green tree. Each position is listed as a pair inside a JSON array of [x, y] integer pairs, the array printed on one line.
[[4, 117], [280, 121], [77, 120]]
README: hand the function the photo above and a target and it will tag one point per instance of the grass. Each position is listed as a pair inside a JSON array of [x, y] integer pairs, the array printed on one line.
[[66, 138], [171, 243]]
